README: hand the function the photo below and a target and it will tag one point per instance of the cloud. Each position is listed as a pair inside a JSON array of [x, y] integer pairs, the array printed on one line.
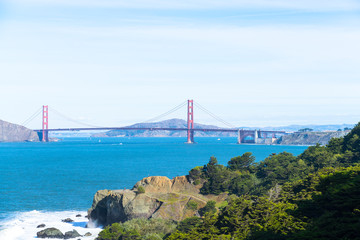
[[308, 5]]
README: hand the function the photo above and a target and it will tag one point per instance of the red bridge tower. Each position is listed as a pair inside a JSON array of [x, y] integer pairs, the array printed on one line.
[[190, 122], [45, 124]]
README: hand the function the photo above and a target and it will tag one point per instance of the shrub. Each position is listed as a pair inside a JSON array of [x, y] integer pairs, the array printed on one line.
[[139, 228], [192, 205], [196, 174], [209, 208], [112, 232], [188, 224], [140, 189]]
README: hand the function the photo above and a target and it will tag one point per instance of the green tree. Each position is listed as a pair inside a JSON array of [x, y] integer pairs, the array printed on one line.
[[319, 157], [205, 230], [248, 215], [329, 201], [351, 147], [209, 208], [243, 162], [196, 174], [351, 140], [112, 232], [243, 183], [218, 178], [278, 169], [335, 145], [188, 224]]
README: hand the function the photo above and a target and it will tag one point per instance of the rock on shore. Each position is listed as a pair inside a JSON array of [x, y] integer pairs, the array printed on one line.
[[50, 233], [163, 198], [10, 132]]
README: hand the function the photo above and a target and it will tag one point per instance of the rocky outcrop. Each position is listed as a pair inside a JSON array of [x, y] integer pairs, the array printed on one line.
[[15, 133], [50, 233], [72, 234], [310, 138], [67, 220], [163, 198], [41, 225]]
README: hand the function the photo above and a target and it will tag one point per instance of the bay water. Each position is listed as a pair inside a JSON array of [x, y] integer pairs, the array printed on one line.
[[45, 182]]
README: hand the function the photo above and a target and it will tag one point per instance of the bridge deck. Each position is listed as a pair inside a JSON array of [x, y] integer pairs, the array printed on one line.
[[156, 129]]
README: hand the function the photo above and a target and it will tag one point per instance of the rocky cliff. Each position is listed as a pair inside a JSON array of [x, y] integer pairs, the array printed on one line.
[[163, 198], [15, 133], [310, 138]]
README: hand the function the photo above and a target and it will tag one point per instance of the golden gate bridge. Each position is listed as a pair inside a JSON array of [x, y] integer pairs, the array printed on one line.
[[242, 134]]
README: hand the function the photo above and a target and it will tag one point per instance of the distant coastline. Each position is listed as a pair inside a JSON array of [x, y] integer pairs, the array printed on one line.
[[319, 133]]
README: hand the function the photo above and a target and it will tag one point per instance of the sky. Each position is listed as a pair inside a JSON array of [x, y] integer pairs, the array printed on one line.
[[114, 62]]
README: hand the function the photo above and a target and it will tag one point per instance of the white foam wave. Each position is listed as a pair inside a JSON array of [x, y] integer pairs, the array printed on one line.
[[23, 226]]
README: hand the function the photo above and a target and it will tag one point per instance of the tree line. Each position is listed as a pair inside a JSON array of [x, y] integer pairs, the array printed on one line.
[[315, 195]]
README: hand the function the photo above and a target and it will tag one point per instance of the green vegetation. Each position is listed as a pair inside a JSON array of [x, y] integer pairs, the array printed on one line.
[[192, 205], [315, 195], [140, 189], [324, 205], [210, 208], [242, 163], [138, 229], [188, 224], [238, 178]]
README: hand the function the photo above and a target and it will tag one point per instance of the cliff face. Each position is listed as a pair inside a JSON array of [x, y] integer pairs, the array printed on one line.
[[163, 198], [310, 138], [15, 133]]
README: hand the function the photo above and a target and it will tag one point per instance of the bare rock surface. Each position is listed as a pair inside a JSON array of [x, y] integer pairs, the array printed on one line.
[[163, 198], [72, 234], [67, 220], [10, 132], [50, 233], [41, 225]]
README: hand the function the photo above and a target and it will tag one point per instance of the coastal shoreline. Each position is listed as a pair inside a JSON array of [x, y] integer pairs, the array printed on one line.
[[24, 225]]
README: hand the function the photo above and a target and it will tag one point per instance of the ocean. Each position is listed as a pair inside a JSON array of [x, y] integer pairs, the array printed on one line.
[[47, 182]]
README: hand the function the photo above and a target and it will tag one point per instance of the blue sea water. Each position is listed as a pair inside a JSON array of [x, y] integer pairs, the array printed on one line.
[[65, 175]]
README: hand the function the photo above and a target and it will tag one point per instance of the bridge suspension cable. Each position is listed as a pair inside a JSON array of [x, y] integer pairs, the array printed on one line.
[[27, 121], [214, 116], [166, 113], [73, 120]]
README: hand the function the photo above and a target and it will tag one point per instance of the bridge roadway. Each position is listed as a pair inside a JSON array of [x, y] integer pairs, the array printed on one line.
[[241, 138], [158, 129]]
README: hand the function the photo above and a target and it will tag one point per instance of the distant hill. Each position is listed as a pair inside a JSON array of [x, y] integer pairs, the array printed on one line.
[[10, 132], [179, 123], [171, 123]]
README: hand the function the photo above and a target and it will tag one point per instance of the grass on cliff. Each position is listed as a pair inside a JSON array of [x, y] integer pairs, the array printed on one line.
[[172, 198]]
